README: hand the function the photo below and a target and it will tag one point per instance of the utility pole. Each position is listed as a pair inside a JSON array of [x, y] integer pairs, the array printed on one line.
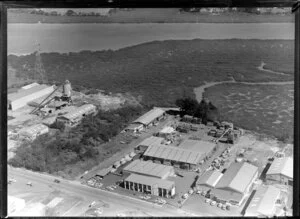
[[39, 71]]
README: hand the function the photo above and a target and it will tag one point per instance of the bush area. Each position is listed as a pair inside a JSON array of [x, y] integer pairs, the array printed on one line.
[[78, 149], [162, 71], [204, 110]]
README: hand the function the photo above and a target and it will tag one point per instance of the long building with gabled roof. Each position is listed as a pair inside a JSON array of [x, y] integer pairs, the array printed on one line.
[[281, 171], [235, 183]]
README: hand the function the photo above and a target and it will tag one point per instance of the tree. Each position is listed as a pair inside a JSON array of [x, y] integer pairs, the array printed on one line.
[[70, 13]]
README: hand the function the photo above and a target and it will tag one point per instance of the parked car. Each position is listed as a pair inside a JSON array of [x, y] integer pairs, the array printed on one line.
[[191, 191], [146, 197], [213, 203], [219, 205], [29, 184], [56, 181], [203, 193], [223, 207], [227, 207], [92, 204], [198, 192], [207, 200]]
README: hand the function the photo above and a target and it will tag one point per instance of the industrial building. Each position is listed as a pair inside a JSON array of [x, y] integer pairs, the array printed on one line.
[[209, 180], [150, 185], [27, 94], [147, 168], [135, 127], [151, 117], [74, 117], [281, 171], [141, 147], [264, 202], [236, 183], [33, 131], [188, 155], [166, 132]]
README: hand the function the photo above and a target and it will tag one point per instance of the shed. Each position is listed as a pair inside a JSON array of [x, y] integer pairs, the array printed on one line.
[[102, 173], [149, 117]]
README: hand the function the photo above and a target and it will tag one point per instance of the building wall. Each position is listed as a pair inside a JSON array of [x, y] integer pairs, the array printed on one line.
[[16, 104], [278, 178]]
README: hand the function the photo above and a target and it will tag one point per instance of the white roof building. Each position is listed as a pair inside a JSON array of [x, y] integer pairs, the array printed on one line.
[[24, 96], [263, 202], [210, 178], [34, 131], [150, 116], [14, 204], [282, 166], [167, 130]]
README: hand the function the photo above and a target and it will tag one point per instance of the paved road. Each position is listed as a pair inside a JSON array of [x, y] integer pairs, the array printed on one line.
[[92, 193]]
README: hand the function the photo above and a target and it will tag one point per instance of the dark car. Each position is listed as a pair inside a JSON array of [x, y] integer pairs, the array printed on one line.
[[57, 181]]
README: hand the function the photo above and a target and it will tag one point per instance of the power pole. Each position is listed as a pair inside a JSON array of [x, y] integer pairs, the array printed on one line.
[[39, 71]]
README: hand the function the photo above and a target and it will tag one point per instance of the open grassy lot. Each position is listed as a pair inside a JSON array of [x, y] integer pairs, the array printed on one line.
[[152, 15], [267, 109]]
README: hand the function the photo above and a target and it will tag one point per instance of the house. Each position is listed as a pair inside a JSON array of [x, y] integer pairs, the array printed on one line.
[[281, 171], [74, 117], [23, 96], [236, 183], [151, 117], [33, 131], [150, 185], [264, 202]]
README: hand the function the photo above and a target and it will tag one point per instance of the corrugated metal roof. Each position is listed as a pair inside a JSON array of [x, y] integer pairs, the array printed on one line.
[[237, 177], [32, 130], [149, 168], [151, 141], [197, 145], [25, 92], [75, 113], [210, 178], [150, 116], [150, 181], [104, 172], [283, 166], [263, 201], [30, 85], [174, 153]]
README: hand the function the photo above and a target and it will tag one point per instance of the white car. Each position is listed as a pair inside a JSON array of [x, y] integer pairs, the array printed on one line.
[[213, 203], [185, 196], [191, 191], [198, 192], [29, 184], [207, 200], [219, 205]]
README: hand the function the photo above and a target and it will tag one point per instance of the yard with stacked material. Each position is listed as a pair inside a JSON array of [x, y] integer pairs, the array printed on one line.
[[157, 73]]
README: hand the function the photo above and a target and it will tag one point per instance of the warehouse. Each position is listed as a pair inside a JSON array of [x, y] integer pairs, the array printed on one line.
[[166, 132], [175, 156], [150, 185], [141, 147], [23, 96], [135, 127], [147, 168], [281, 171], [204, 147], [33, 131], [151, 117], [209, 180], [263, 203], [74, 117], [236, 183]]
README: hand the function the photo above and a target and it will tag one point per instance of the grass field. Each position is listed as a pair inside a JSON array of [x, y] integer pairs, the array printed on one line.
[[266, 109], [152, 15], [159, 72]]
